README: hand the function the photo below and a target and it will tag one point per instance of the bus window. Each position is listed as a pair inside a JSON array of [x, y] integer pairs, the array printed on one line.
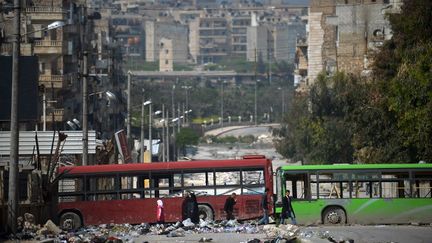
[[101, 188], [228, 178], [336, 189], [395, 185], [298, 185], [365, 189], [194, 179], [422, 184], [177, 180], [313, 185], [72, 185], [333, 185], [131, 185], [252, 177]]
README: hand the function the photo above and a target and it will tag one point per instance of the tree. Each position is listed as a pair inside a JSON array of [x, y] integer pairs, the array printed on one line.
[[186, 136]]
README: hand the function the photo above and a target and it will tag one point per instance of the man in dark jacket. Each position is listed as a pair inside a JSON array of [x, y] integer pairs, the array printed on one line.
[[287, 209], [229, 206], [264, 206]]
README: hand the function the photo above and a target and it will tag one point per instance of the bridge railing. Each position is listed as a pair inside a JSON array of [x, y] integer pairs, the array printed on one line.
[[208, 127]]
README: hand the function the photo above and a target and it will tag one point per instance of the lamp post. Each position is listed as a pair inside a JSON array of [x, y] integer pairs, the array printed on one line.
[[85, 97], [129, 109], [283, 100], [222, 102], [143, 104], [255, 115], [14, 128], [186, 88]]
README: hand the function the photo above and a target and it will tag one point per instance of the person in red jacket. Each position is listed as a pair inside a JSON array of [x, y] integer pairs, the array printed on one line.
[[160, 212]]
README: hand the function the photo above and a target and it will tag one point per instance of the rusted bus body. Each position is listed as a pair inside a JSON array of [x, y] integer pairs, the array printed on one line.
[[128, 193]]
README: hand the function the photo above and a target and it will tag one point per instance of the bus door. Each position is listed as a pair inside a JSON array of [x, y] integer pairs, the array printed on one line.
[[298, 184]]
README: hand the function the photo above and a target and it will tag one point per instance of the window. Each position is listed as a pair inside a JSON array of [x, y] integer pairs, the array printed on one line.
[[422, 184], [72, 185], [333, 184], [101, 188], [194, 179], [101, 184], [395, 185], [366, 189], [228, 178], [298, 185], [253, 177]]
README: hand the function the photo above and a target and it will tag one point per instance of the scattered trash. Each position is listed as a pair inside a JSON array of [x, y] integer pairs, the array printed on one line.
[[204, 239], [283, 231]]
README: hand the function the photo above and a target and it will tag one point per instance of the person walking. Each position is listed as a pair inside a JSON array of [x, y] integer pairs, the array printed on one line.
[[186, 200], [229, 206], [195, 210], [187, 207], [264, 206], [287, 209], [160, 215]]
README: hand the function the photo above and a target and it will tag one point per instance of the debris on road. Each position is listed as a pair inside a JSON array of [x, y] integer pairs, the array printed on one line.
[[119, 233], [283, 231]]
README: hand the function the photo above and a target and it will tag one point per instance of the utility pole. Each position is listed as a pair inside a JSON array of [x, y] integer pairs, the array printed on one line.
[[129, 115], [14, 129], [167, 136], [173, 114], [84, 71], [222, 102], [150, 132], [255, 103], [163, 134], [85, 110], [142, 128], [270, 66]]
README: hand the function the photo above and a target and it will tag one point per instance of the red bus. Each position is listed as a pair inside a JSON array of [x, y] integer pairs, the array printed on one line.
[[127, 193]]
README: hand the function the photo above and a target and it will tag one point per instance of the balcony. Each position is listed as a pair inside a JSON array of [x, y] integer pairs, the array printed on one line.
[[58, 81], [6, 49], [58, 116], [48, 47], [46, 13]]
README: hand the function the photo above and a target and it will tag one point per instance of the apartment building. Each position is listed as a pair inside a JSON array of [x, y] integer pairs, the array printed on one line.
[[239, 22], [155, 31], [58, 59], [209, 39], [128, 29]]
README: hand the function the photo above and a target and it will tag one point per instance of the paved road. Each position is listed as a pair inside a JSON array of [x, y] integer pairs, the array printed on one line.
[[359, 234]]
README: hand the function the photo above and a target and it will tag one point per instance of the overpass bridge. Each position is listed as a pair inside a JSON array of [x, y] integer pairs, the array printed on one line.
[[218, 130]]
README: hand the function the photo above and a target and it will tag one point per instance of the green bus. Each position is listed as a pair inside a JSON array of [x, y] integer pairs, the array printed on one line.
[[357, 193]]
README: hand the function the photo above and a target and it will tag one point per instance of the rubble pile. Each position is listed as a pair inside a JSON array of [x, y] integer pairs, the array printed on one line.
[[283, 232], [127, 233]]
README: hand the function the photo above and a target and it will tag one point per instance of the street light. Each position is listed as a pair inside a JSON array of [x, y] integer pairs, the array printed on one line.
[[187, 116], [14, 129], [186, 88], [222, 102], [256, 82], [142, 127], [283, 99], [110, 96]]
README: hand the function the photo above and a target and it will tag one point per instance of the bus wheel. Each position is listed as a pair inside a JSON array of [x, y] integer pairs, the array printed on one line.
[[334, 215], [205, 212], [70, 221]]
